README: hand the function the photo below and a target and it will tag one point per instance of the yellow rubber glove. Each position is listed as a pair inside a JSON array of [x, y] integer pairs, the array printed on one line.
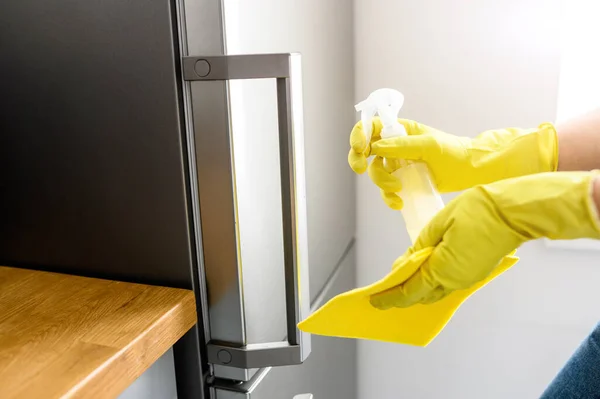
[[472, 234], [455, 163]]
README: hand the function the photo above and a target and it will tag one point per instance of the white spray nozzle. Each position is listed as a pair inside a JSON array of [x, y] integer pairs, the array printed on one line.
[[386, 103]]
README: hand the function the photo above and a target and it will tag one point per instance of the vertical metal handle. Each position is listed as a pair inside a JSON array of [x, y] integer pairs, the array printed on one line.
[[286, 68]]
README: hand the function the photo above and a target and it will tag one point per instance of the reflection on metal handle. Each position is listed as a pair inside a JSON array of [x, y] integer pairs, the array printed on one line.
[[286, 68]]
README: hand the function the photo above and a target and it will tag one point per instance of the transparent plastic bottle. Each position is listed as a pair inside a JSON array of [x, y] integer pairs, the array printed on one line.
[[420, 197]]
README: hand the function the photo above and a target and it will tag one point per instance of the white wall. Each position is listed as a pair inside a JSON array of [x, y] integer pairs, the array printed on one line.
[[466, 66]]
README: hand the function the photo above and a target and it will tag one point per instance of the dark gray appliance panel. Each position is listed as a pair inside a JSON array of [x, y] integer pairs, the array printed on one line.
[[92, 164]]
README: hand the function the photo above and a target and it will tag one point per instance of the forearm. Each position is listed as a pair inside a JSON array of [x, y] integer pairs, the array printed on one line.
[[579, 143]]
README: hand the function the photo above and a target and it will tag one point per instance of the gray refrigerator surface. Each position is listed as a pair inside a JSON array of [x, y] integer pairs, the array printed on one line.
[[115, 163]]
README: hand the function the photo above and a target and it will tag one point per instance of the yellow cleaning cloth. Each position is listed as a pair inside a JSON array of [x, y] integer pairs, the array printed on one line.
[[350, 315]]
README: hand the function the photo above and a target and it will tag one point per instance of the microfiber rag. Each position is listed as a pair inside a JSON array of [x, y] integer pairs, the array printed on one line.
[[350, 315]]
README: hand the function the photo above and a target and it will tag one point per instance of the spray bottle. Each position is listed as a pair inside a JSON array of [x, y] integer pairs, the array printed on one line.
[[420, 197]]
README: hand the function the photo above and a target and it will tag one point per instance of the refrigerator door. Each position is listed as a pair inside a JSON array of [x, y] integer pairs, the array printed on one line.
[[329, 372], [285, 68], [252, 225], [237, 104]]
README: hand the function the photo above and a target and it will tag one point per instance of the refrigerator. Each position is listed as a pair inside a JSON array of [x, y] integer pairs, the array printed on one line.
[[154, 141]]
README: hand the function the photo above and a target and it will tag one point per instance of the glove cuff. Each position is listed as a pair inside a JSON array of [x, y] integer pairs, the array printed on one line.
[[592, 206], [548, 146]]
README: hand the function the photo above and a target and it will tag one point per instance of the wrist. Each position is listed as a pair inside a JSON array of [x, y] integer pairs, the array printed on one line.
[[578, 144]]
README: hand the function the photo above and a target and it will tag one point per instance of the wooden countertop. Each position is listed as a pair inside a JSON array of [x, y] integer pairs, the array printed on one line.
[[63, 336]]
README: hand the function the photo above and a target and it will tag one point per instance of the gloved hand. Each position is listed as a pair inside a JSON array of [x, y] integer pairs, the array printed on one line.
[[455, 163], [472, 234]]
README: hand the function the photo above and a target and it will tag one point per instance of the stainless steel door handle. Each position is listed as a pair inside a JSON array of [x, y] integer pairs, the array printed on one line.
[[286, 69]]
